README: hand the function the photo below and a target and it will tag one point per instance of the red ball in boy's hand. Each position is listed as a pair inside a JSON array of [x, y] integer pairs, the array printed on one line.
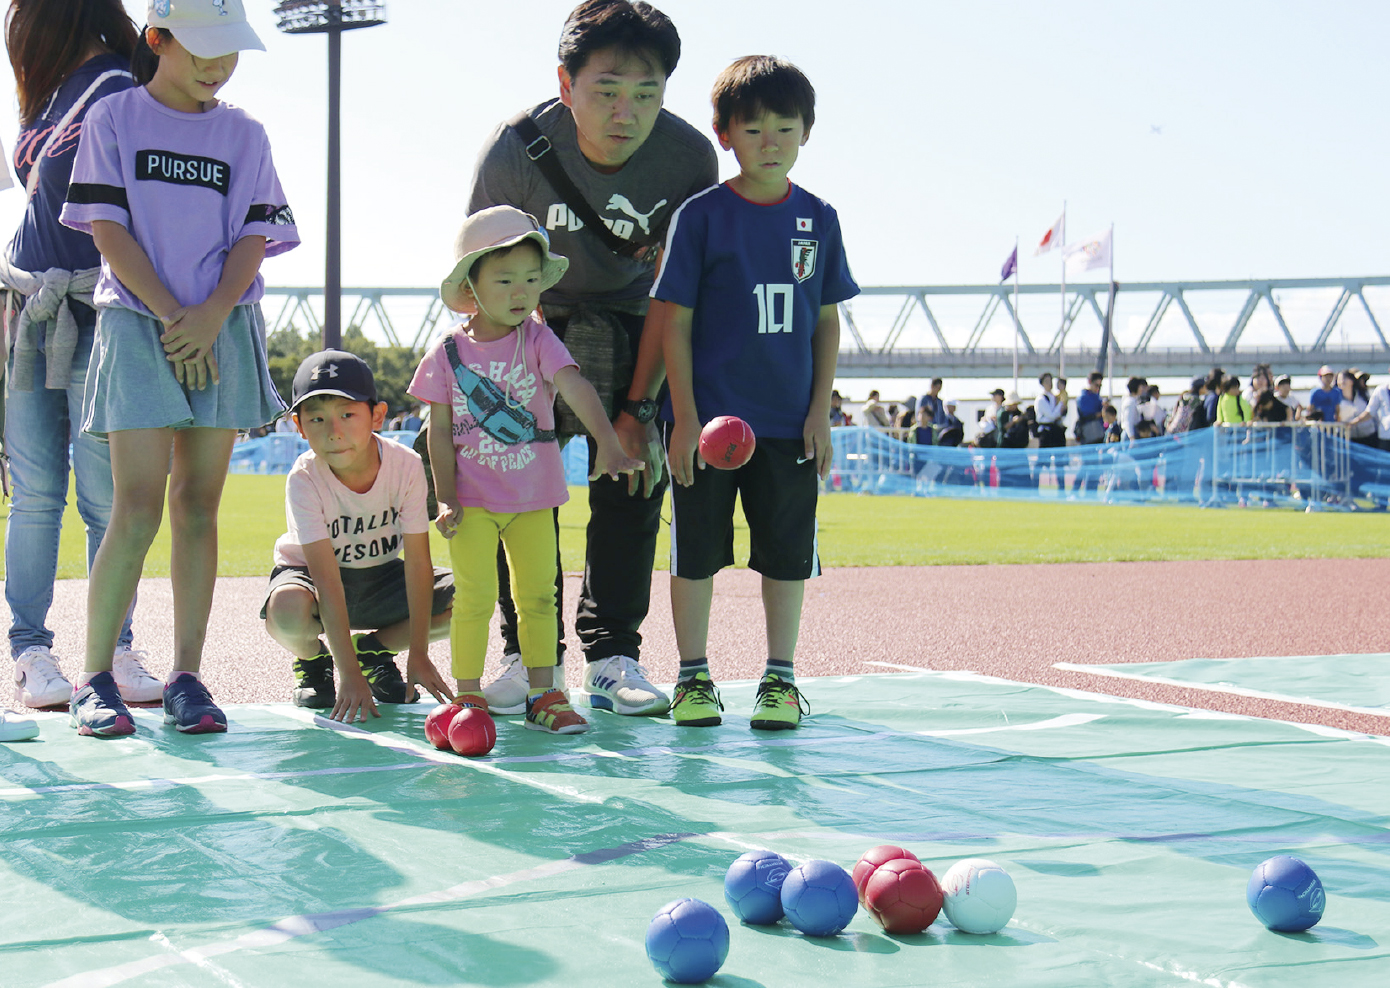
[[437, 725], [472, 732], [726, 442]]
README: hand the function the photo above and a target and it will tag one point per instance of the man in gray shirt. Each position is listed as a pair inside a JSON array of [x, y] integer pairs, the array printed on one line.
[[632, 164]]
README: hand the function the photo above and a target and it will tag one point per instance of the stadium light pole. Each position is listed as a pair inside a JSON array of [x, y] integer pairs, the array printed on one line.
[[331, 17]]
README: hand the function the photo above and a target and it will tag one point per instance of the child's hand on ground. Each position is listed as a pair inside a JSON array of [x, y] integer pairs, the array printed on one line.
[[610, 460], [354, 700], [816, 434], [447, 521], [420, 671], [683, 452]]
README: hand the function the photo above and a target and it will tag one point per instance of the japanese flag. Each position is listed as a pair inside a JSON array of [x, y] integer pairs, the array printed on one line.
[[1052, 239], [803, 224]]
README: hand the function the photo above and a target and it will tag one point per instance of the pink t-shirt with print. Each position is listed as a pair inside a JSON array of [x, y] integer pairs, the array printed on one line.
[[503, 401]]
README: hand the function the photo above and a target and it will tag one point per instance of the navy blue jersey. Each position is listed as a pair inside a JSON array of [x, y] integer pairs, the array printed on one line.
[[41, 242], [756, 276]]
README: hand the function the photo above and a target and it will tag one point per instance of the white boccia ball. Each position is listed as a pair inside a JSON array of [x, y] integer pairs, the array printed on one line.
[[978, 896]]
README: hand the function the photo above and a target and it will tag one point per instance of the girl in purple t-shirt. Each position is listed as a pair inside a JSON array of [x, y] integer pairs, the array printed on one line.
[[179, 193], [491, 386]]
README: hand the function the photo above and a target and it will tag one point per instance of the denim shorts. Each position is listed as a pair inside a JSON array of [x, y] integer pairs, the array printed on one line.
[[131, 383]]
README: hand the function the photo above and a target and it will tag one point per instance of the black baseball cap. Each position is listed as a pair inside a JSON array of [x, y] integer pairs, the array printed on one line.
[[334, 372]]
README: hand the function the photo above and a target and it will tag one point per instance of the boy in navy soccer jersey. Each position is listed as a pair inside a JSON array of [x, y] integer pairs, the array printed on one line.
[[753, 270]]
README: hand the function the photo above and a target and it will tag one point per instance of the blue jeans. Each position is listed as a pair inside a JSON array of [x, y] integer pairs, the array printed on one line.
[[39, 425]]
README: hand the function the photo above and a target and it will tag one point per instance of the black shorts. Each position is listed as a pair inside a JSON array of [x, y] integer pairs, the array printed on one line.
[[779, 501], [375, 595]]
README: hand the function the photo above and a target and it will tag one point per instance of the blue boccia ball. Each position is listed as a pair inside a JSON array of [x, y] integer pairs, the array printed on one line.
[[819, 898], [753, 886], [1285, 894], [687, 941]]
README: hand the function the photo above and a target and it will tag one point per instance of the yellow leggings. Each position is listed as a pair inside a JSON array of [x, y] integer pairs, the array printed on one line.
[[529, 541]]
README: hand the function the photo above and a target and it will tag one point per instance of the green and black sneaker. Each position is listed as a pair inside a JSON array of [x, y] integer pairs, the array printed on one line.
[[314, 681], [379, 666], [696, 702], [779, 705]]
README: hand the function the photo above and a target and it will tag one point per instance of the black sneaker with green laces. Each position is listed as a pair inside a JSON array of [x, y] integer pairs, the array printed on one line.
[[778, 707], [379, 666], [314, 681]]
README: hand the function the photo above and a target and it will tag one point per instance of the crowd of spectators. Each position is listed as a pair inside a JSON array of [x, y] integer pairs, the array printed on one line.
[[1055, 418], [1217, 398]]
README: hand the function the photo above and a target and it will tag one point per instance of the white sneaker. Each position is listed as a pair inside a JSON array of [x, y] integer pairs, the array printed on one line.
[[620, 684], [16, 728], [133, 679], [507, 693], [38, 680]]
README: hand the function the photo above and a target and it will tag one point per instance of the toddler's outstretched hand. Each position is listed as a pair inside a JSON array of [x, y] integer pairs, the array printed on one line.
[[612, 461]]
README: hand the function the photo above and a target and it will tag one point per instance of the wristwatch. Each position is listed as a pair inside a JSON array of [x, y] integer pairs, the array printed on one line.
[[643, 410]]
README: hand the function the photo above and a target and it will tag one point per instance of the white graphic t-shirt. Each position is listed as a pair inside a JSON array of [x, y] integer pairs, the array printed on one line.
[[365, 529]]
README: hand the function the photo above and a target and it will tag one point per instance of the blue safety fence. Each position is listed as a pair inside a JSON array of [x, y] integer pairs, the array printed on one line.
[[276, 453], [1304, 465]]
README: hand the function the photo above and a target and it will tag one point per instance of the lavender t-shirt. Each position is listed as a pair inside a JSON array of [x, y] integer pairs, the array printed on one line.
[[503, 403], [188, 186]]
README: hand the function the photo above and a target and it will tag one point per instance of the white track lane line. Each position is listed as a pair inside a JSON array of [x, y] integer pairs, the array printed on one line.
[[1094, 697], [1214, 688], [305, 924]]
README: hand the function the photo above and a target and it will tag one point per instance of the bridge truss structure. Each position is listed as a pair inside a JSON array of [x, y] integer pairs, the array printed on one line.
[[1161, 328]]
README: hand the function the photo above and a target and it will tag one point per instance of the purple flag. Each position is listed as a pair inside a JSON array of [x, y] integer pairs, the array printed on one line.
[[1010, 266]]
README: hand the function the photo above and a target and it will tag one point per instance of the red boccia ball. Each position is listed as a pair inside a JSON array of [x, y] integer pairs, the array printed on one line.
[[903, 896], [472, 732], [437, 725], [871, 859], [726, 442]]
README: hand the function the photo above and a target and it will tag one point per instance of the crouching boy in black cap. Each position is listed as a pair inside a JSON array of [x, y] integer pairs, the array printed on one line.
[[357, 553]]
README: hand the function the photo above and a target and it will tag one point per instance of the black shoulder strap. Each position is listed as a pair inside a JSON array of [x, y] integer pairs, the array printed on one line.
[[539, 149], [451, 350]]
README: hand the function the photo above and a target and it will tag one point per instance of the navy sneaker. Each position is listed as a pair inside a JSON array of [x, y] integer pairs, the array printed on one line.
[[188, 706], [97, 709]]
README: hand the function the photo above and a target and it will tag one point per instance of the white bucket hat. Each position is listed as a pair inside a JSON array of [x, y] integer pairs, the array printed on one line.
[[206, 28], [492, 229]]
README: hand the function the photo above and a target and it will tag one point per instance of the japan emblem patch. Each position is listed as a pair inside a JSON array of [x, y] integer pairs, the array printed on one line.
[[803, 259]]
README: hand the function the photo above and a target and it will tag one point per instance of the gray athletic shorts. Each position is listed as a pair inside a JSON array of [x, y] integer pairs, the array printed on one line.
[[375, 594], [131, 384]]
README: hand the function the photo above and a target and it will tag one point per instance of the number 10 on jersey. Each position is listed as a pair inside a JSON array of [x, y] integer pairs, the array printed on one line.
[[774, 308]]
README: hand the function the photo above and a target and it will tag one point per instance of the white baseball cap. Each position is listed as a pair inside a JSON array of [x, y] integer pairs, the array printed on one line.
[[207, 28]]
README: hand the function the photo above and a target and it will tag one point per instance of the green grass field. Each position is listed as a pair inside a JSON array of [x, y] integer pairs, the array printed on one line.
[[859, 530]]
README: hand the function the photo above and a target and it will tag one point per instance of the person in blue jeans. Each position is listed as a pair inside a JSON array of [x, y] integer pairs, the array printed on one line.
[[66, 57]]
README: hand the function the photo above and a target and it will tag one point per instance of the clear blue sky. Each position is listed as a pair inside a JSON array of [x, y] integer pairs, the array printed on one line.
[[943, 129]]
